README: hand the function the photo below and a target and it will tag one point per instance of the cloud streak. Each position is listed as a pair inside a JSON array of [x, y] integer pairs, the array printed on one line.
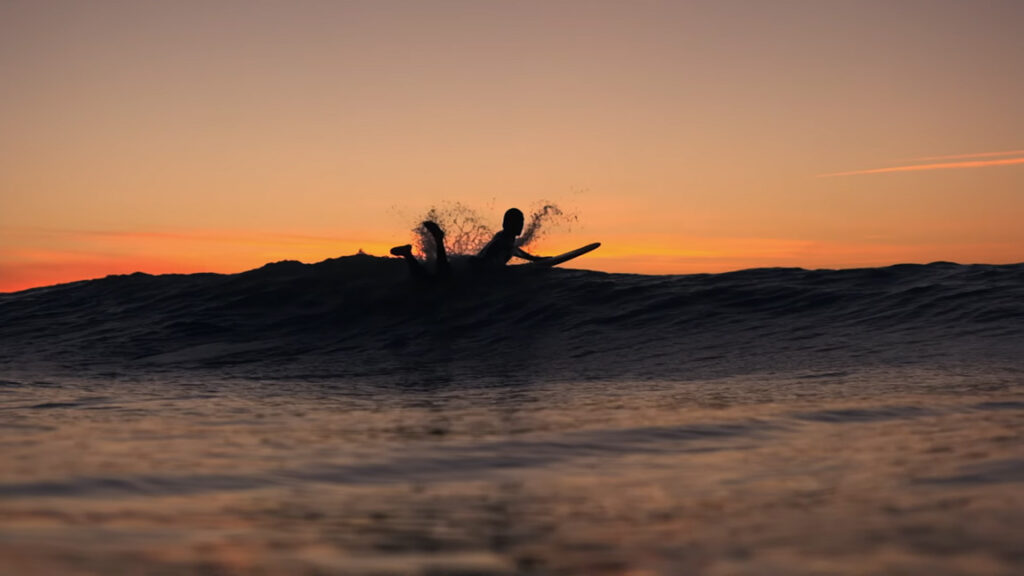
[[932, 166], [965, 156]]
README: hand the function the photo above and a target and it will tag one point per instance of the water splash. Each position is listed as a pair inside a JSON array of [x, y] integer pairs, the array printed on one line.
[[466, 231], [543, 220]]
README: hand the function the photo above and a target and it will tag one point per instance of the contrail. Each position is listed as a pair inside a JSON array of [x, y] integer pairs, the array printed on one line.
[[963, 156], [934, 166]]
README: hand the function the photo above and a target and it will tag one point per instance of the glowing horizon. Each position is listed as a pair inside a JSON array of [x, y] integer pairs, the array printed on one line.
[[231, 252]]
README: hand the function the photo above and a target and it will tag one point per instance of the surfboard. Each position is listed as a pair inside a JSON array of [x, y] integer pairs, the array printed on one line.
[[556, 260]]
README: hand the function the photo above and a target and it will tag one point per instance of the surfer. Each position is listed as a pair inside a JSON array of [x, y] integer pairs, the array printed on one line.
[[441, 268], [503, 246], [493, 256]]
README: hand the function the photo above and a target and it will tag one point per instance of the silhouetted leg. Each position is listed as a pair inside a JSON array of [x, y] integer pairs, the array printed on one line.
[[415, 267], [443, 268]]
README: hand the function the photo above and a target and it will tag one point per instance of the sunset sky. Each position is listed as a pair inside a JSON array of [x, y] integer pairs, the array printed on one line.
[[697, 136]]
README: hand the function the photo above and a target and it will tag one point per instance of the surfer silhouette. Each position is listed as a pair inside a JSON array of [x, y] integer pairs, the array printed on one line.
[[493, 256]]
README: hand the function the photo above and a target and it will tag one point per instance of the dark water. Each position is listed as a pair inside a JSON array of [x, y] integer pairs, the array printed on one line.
[[337, 419]]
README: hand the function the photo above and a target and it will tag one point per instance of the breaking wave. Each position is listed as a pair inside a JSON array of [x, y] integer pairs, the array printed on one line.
[[361, 316]]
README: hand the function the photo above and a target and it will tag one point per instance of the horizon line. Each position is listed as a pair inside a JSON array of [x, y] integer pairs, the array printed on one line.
[[381, 257]]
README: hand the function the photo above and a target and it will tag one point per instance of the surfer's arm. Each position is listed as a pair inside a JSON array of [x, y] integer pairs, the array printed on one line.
[[520, 253]]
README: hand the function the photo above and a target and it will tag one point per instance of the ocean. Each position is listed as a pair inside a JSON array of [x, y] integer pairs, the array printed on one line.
[[339, 418]]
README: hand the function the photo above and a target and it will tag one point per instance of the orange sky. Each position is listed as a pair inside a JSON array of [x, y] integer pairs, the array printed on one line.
[[686, 136]]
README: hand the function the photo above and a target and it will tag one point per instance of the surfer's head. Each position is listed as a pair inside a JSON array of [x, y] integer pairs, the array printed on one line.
[[513, 222]]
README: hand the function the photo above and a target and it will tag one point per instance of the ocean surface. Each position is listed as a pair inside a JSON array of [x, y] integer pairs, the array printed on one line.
[[339, 418]]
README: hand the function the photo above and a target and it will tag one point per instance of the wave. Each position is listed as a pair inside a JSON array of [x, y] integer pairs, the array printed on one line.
[[361, 316]]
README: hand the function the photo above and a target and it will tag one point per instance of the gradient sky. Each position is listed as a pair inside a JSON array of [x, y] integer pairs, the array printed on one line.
[[686, 136]]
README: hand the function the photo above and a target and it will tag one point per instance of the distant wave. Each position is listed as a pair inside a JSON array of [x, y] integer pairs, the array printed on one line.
[[361, 316]]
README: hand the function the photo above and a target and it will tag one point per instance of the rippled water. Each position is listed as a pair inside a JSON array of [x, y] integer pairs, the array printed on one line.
[[337, 419], [892, 471]]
